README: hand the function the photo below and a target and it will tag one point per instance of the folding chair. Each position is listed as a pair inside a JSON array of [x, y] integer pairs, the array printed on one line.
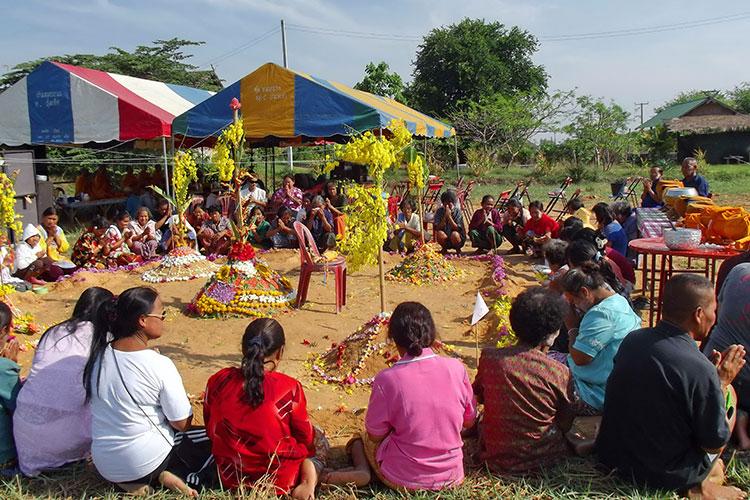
[[464, 201], [629, 191], [432, 195], [561, 213], [505, 196], [557, 195]]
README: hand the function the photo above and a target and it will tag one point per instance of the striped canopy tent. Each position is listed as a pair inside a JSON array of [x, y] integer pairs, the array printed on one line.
[[63, 104], [280, 104]]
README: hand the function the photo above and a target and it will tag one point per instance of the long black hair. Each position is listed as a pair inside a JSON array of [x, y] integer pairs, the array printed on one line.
[[86, 309], [6, 316], [412, 327], [582, 253], [119, 318], [263, 337], [603, 213]]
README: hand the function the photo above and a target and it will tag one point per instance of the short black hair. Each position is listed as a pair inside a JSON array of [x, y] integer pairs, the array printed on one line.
[[570, 228], [408, 201], [536, 204], [448, 196], [214, 209], [162, 202], [412, 327], [487, 198], [683, 294], [536, 313], [49, 211], [256, 209], [554, 252], [282, 211], [574, 204], [514, 202]]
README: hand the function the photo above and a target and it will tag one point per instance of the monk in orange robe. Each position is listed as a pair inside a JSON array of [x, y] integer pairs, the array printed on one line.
[[83, 183], [102, 188], [130, 182]]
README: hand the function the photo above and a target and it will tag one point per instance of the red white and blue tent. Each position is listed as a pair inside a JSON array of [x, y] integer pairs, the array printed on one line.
[[63, 104]]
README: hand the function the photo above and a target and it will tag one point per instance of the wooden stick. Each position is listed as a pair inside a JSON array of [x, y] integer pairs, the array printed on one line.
[[382, 278], [476, 339]]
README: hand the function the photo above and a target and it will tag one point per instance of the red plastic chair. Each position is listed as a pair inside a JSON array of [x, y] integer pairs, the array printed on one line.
[[308, 265]]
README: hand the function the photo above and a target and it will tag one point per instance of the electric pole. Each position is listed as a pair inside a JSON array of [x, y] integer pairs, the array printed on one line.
[[285, 60], [640, 105]]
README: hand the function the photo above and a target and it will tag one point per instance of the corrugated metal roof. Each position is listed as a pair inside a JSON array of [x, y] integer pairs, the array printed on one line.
[[674, 111]]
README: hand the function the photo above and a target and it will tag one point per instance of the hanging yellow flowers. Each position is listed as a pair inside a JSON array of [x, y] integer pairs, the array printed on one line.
[[228, 150], [367, 225], [8, 217], [184, 171], [415, 169]]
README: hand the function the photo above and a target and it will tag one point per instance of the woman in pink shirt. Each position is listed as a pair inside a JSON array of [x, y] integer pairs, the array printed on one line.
[[413, 431]]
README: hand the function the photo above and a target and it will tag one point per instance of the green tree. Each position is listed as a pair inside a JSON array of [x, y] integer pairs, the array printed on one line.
[[163, 60], [504, 124], [471, 60], [739, 97], [379, 80], [599, 132]]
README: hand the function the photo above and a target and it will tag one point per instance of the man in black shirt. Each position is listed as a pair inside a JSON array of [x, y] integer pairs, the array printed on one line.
[[666, 417]]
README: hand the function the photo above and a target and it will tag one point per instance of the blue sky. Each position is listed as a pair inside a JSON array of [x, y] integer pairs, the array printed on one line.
[[648, 67]]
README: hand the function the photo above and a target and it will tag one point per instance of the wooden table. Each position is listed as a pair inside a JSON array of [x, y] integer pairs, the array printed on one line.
[[653, 247]]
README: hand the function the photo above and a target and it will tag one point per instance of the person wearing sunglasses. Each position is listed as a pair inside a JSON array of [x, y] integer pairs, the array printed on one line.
[[136, 395]]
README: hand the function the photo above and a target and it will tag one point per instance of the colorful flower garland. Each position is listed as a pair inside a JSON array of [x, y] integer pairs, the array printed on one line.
[[180, 264]]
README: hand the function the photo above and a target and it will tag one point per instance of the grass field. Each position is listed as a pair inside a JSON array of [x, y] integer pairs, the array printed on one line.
[[574, 478]]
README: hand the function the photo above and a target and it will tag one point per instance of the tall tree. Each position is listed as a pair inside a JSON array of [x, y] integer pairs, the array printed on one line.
[[739, 97], [599, 132], [163, 60], [380, 81], [504, 124], [470, 61]]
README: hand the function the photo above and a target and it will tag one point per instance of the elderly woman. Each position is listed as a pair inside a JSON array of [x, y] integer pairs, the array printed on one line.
[[145, 240], [288, 195], [31, 260], [527, 395], [603, 319]]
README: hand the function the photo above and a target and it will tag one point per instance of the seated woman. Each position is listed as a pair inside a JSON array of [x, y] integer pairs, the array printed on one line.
[[144, 241], [335, 202], [282, 233], [259, 227], [412, 438], [554, 252], [32, 263], [486, 226], [7, 258], [625, 215], [215, 236], [117, 240], [52, 421], [527, 395], [539, 229], [449, 224], [621, 266], [514, 220], [288, 196], [257, 418], [53, 240], [319, 221], [408, 228], [604, 319], [10, 384], [136, 396], [196, 215], [610, 228], [733, 327], [88, 250]]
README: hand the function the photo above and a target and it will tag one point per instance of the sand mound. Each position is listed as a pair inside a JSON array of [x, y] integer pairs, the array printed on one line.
[[426, 265]]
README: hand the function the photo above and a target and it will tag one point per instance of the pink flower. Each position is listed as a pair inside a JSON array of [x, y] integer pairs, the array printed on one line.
[[350, 380], [235, 104]]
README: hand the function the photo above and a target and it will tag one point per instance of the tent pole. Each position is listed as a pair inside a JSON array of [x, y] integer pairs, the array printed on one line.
[[166, 163]]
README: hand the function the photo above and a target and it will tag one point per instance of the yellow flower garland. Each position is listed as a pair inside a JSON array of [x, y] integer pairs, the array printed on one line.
[[8, 217]]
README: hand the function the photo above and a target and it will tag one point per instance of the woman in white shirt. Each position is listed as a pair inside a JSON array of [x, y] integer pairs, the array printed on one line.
[[136, 395], [32, 263], [145, 239]]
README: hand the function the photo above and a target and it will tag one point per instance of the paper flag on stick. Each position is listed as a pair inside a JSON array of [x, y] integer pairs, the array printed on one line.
[[480, 310]]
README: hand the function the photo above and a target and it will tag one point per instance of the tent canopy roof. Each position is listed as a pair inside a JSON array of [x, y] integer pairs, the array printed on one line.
[[63, 104], [282, 104]]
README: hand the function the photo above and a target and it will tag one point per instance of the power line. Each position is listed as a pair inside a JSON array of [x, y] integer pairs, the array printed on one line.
[[240, 48]]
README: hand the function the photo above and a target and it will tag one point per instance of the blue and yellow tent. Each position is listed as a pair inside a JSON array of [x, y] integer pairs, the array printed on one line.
[[282, 104]]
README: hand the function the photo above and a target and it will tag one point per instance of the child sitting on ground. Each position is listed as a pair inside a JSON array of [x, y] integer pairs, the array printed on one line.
[[257, 419], [412, 438], [259, 227], [407, 230], [554, 255], [282, 233], [32, 263], [485, 227], [215, 236]]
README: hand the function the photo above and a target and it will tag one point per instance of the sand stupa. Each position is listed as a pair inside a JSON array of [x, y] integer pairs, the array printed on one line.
[[180, 264], [425, 266], [244, 286]]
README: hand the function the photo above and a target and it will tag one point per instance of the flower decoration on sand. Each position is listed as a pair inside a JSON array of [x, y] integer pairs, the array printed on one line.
[[425, 266]]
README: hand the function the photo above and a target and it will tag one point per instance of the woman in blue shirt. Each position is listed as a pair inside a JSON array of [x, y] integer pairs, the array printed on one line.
[[606, 318], [610, 228]]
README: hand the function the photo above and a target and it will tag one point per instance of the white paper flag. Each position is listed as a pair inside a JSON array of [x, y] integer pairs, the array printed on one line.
[[480, 310]]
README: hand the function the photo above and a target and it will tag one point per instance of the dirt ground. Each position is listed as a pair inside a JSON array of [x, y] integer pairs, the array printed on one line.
[[200, 347]]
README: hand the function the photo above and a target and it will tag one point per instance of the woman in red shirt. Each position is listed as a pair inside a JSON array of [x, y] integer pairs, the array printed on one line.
[[539, 228], [257, 418]]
